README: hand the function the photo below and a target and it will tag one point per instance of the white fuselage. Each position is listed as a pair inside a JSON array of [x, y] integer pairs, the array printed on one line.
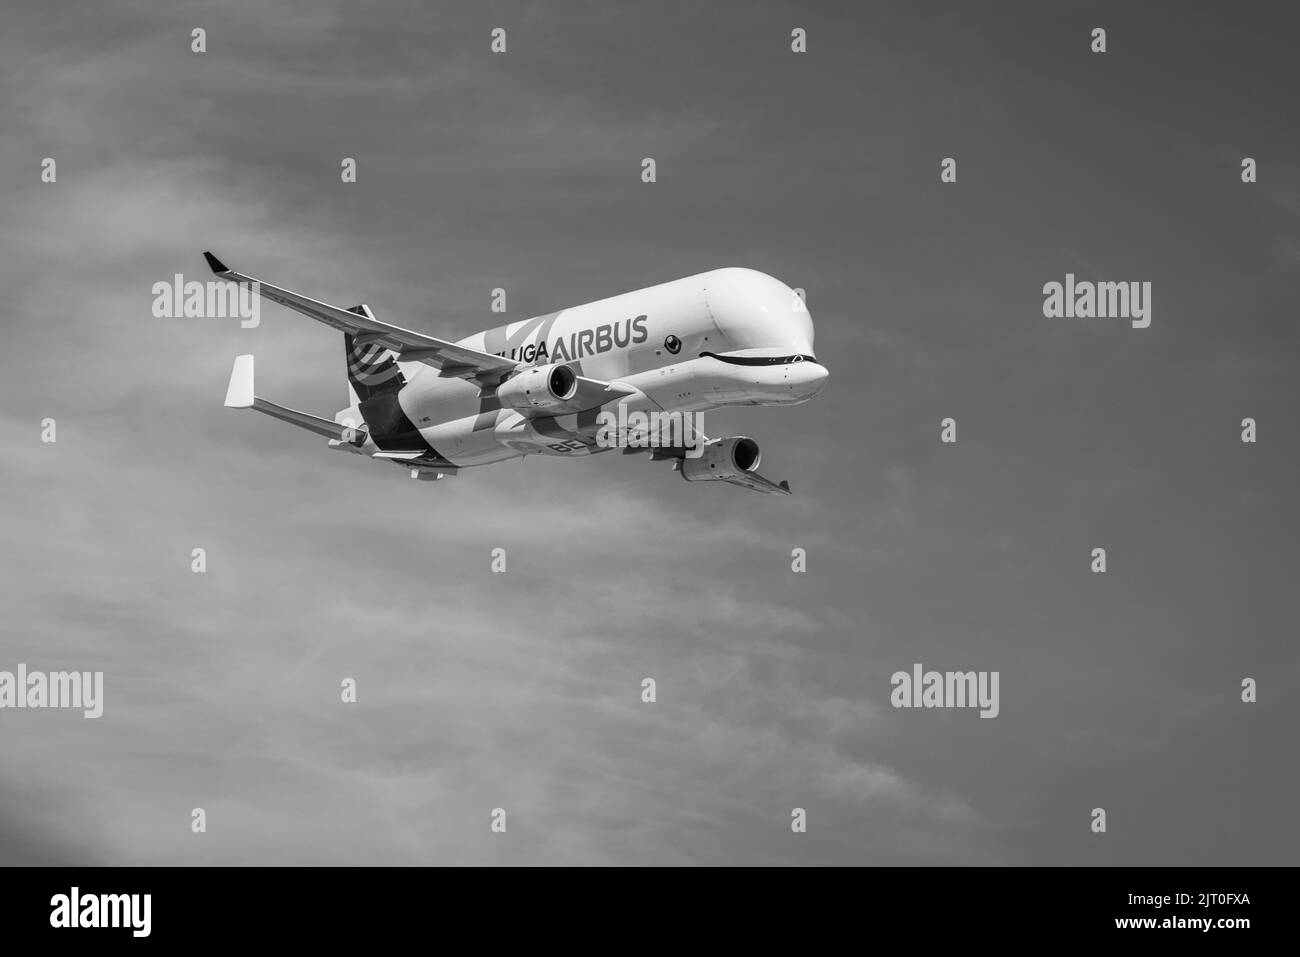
[[756, 332]]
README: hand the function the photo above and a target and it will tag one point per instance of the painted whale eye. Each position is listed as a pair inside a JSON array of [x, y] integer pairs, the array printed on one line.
[[673, 344]]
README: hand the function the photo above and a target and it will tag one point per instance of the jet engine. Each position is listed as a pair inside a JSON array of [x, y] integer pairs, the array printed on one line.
[[542, 387], [722, 459]]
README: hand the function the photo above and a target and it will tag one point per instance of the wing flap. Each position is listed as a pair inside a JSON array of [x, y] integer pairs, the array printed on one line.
[[756, 482]]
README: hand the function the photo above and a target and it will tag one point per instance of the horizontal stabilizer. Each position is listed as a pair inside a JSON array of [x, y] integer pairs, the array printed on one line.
[[239, 395]]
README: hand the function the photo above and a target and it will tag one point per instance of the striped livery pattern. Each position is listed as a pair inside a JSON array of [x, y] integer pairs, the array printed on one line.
[[372, 369]]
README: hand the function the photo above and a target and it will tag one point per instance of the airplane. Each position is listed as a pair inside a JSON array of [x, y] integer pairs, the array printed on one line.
[[729, 337]]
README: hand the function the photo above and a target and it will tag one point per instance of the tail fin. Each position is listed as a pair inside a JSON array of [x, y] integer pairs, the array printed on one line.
[[372, 369]]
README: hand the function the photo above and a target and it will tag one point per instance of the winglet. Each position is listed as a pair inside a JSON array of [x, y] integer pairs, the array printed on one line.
[[239, 395], [216, 265]]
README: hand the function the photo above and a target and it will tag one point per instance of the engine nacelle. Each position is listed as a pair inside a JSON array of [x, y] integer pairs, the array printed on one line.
[[722, 459], [542, 387]]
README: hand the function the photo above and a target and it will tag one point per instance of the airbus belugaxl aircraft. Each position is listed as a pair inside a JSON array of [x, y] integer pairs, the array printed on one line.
[[537, 387]]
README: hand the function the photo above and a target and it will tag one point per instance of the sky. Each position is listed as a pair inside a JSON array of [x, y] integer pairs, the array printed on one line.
[[522, 690]]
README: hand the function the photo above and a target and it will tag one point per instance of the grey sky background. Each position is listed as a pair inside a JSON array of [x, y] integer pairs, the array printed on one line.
[[522, 690]]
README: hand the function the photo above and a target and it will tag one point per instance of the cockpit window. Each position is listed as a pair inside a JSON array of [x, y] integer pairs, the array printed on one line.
[[760, 360]]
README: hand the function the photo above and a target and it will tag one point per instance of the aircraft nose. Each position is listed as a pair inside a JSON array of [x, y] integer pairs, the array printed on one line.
[[807, 378], [821, 375]]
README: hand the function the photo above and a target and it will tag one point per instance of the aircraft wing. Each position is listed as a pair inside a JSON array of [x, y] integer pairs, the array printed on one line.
[[749, 480], [589, 394], [451, 360]]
